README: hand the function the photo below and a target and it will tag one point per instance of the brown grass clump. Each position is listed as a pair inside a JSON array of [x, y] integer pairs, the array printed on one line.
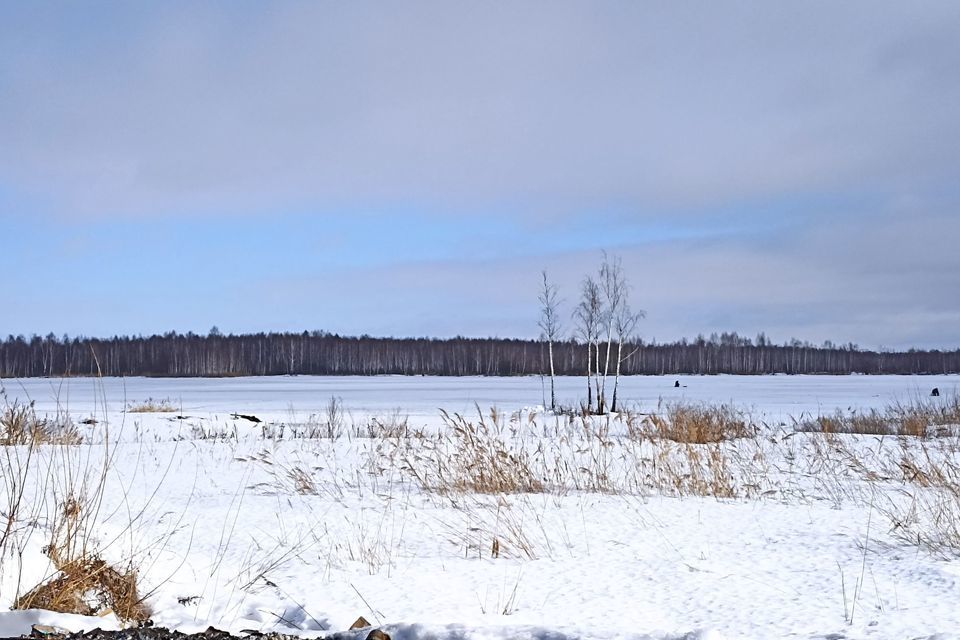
[[302, 481], [88, 586], [393, 425], [920, 417], [70, 495], [20, 425], [926, 416], [699, 424], [84, 583], [710, 473], [485, 463], [472, 457], [873, 422], [152, 406], [869, 423]]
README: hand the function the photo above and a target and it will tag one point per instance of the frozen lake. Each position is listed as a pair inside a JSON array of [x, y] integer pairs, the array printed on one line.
[[776, 397]]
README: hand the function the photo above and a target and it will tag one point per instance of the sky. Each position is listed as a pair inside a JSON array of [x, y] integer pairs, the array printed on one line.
[[408, 169]]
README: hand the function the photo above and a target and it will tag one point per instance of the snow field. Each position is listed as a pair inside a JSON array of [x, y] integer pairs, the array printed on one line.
[[507, 522]]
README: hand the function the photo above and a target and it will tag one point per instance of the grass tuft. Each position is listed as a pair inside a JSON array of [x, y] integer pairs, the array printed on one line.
[[920, 417], [20, 425], [699, 423], [152, 406], [473, 457], [88, 586]]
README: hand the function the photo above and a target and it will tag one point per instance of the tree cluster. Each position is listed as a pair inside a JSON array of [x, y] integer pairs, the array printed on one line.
[[603, 320], [320, 353]]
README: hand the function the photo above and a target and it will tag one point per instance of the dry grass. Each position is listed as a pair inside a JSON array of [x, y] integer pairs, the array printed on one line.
[[334, 423], [594, 455], [926, 416], [484, 462], [928, 519], [329, 424], [495, 528], [919, 417], [20, 425], [680, 450], [699, 423], [925, 509], [709, 472], [150, 405], [869, 423], [88, 586], [913, 482], [23, 503], [83, 582], [216, 432], [300, 477], [392, 425], [68, 487], [471, 457], [302, 481]]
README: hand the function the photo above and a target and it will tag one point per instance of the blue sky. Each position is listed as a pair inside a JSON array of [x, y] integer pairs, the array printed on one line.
[[408, 170]]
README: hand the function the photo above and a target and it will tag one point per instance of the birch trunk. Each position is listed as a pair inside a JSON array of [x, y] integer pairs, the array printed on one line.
[[596, 380], [616, 379], [553, 393], [606, 370], [589, 375]]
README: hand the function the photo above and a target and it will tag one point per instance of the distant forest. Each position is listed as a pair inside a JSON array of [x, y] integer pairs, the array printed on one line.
[[320, 353]]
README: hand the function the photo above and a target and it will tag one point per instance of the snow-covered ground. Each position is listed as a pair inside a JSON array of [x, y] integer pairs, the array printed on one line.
[[246, 525], [778, 397]]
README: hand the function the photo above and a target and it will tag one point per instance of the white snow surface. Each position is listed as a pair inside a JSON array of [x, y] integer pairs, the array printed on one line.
[[245, 525], [778, 396]]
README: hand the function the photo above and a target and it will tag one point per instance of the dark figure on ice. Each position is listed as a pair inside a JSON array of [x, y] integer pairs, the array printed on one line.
[[935, 392], [676, 384]]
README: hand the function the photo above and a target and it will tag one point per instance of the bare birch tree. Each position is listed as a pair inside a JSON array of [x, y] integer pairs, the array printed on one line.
[[625, 324], [550, 328], [613, 285], [587, 315]]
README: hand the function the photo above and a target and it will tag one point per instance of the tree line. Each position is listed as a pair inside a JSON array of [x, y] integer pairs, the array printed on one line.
[[321, 353]]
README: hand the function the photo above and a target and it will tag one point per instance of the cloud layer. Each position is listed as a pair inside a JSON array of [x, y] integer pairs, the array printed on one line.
[[538, 106], [784, 166]]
